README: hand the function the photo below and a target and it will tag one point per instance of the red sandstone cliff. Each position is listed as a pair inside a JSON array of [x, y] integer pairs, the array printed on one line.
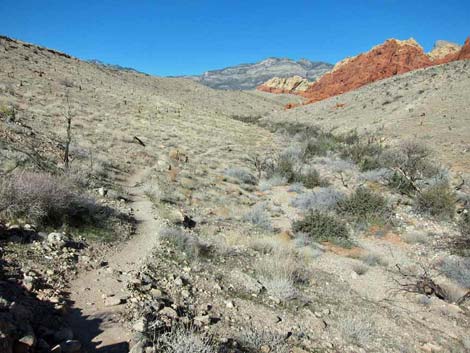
[[388, 59]]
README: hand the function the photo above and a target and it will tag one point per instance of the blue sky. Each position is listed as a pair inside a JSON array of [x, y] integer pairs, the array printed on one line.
[[176, 37]]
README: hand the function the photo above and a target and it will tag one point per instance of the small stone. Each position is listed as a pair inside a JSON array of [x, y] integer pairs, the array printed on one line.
[[185, 293], [265, 349], [56, 349], [102, 191], [137, 348], [71, 346], [229, 304], [29, 340], [58, 239], [430, 347], [139, 325], [113, 301], [171, 313], [203, 319]]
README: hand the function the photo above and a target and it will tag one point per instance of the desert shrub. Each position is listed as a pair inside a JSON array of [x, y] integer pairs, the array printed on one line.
[[357, 330], [365, 153], [360, 269], [254, 340], [323, 199], [242, 175], [162, 193], [296, 187], [185, 340], [279, 274], [374, 260], [410, 163], [438, 201], [364, 204], [275, 180], [259, 217], [189, 244], [415, 238], [457, 268], [464, 224], [322, 226], [310, 179], [46, 199], [321, 145], [381, 175], [7, 112]]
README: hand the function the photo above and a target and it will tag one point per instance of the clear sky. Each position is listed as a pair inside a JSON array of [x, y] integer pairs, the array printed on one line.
[[175, 37]]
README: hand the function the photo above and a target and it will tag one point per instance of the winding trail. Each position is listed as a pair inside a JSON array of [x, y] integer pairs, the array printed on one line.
[[94, 318]]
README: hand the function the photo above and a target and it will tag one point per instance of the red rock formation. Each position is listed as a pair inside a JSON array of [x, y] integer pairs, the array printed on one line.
[[391, 58], [388, 59], [462, 54]]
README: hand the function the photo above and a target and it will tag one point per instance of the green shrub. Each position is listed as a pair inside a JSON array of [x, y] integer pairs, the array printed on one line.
[[437, 200], [321, 145], [322, 226], [366, 154], [410, 162], [464, 224], [364, 204], [401, 184], [7, 112], [311, 179]]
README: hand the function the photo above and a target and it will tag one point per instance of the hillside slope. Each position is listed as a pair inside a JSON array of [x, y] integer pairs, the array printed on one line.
[[429, 105], [249, 76], [240, 239]]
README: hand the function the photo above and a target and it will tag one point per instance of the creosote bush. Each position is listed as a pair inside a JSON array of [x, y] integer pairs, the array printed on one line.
[[47, 199], [364, 205], [321, 226], [437, 200], [365, 153]]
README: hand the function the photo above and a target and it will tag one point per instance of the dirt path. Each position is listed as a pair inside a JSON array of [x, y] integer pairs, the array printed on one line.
[[94, 317]]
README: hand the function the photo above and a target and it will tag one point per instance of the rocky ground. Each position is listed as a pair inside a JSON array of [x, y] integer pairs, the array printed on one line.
[[207, 255]]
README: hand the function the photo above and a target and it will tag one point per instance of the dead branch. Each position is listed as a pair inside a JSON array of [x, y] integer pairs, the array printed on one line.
[[139, 141], [420, 284]]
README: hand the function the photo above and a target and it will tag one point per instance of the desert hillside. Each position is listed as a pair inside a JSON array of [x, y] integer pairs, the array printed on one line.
[[144, 214], [427, 105]]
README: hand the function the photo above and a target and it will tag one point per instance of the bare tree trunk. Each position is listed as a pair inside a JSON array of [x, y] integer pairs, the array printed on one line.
[[68, 117]]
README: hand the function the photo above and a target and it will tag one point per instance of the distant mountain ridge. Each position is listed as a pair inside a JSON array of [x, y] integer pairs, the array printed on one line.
[[113, 66], [249, 76]]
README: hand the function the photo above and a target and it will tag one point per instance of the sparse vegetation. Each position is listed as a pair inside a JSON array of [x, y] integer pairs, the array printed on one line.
[[259, 217], [322, 226], [364, 205], [189, 244], [45, 199], [241, 175], [457, 268], [255, 341], [279, 273], [364, 152], [437, 200], [185, 340], [322, 199]]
